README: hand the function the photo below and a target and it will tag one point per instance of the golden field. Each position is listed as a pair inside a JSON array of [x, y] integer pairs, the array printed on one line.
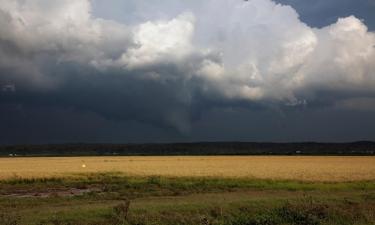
[[260, 167]]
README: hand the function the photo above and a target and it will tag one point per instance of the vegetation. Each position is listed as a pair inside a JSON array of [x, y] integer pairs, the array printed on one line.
[[113, 198], [200, 190]]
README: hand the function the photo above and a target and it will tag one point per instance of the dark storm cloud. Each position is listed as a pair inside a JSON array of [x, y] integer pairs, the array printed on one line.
[[114, 95], [303, 124], [166, 66]]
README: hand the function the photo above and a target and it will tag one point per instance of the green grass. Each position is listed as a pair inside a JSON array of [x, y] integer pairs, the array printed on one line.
[[118, 181], [171, 200]]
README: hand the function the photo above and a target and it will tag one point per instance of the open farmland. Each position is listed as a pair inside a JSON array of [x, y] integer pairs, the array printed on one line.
[[215, 190], [258, 167]]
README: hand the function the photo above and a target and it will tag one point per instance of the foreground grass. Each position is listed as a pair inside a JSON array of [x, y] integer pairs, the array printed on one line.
[[117, 199], [118, 181]]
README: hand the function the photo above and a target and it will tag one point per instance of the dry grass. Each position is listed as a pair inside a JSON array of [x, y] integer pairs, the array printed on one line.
[[262, 167]]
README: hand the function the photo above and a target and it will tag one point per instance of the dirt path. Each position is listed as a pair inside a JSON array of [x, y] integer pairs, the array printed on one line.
[[70, 192]]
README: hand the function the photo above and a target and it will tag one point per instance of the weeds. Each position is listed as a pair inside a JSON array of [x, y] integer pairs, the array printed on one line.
[[9, 219], [357, 205], [121, 212], [305, 214]]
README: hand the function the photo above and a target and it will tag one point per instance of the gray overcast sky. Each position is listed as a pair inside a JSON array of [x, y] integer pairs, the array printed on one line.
[[175, 71]]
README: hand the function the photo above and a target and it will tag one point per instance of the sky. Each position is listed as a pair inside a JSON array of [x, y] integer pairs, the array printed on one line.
[[140, 71]]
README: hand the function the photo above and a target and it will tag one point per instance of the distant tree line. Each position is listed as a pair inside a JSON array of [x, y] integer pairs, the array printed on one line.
[[209, 148]]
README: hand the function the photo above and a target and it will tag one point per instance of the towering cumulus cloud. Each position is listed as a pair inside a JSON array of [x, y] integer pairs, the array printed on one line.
[[166, 67]]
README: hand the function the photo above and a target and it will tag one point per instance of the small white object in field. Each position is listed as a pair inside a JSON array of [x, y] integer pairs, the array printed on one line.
[[83, 166]]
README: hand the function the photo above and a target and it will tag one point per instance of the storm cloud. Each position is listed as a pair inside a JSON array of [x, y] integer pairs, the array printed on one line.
[[166, 63]]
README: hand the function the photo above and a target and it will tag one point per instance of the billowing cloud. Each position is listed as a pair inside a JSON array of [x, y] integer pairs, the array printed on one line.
[[168, 66]]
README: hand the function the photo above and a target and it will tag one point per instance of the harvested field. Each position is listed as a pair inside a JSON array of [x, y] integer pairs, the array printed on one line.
[[258, 167]]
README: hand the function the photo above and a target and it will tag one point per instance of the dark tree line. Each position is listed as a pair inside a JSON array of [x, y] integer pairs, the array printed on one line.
[[213, 148]]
